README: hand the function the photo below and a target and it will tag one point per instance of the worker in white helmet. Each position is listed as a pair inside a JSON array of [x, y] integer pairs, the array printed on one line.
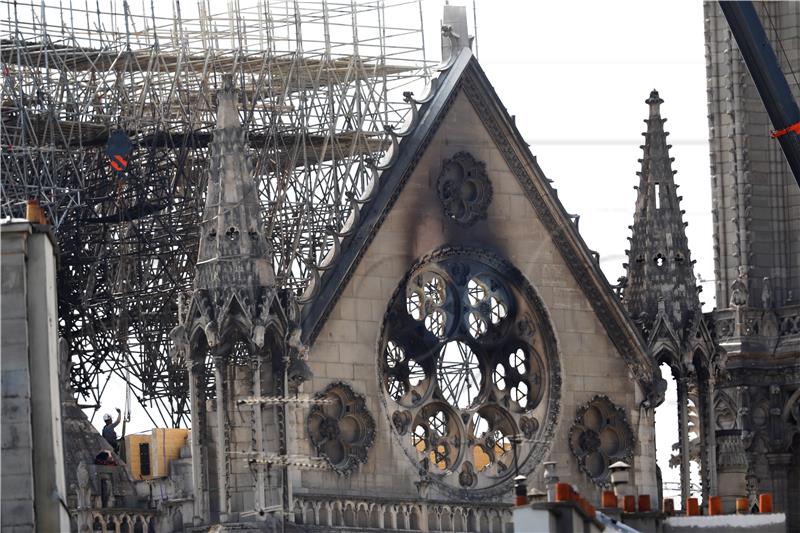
[[108, 431]]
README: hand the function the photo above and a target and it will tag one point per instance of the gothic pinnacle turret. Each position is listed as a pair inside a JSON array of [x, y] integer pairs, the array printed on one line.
[[233, 249], [234, 283], [660, 276]]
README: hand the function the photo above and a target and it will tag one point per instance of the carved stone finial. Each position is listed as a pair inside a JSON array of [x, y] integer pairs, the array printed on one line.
[[654, 98], [454, 31], [179, 342], [661, 305]]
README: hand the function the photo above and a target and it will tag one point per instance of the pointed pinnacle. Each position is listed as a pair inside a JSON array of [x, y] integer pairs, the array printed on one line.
[[227, 112]]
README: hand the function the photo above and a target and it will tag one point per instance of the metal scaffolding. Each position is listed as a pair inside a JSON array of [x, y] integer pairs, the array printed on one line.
[[107, 114]]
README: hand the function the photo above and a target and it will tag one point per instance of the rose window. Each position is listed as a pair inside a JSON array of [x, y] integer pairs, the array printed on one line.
[[600, 437], [469, 371]]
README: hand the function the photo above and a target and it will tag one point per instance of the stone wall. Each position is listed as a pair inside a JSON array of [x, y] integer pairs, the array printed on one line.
[[756, 202], [33, 485], [347, 346]]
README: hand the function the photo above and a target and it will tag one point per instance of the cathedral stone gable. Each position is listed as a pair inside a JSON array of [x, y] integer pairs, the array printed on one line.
[[465, 76], [598, 350]]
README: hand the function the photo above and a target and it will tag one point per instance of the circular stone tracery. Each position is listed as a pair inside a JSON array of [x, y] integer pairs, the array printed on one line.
[[479, 383], [341, 428], [464, 189], [600, 437]]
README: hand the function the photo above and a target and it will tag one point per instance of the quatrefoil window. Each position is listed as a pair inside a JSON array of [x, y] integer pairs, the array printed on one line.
[[232, 233], [600, 437], [468, 357], [341, 428], [464, 189]]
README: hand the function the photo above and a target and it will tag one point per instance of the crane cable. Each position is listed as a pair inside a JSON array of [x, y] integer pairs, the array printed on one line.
[[127, 394], [127, 407]]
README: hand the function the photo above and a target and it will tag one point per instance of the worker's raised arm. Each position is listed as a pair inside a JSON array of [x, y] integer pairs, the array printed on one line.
[[119, 417]]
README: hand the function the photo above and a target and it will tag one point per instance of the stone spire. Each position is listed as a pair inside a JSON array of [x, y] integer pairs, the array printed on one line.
[[660, 275], [237, 317], [233, 250]]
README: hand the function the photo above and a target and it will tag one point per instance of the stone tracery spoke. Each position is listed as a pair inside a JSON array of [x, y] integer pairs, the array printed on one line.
[[414, 305]]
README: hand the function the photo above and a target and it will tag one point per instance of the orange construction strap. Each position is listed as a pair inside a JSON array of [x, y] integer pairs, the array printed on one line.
[[780, 133]]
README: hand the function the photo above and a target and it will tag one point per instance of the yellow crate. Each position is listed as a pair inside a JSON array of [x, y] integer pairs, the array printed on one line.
[[164, 445]]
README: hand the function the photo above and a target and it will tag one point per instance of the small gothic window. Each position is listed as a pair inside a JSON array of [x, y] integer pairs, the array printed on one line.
[[438, 423], [476, 292], [434, 290], [414, 305], [425, 299], [394, 354], [658, 196], [416, 374], [435, 322], [477, 326], [469, 359], [499, 376], [418, 438], [520, 394], [659, 260], [517, 360], [232, 233], [497, 310], [481, 426], [396, 388], [144, 459]]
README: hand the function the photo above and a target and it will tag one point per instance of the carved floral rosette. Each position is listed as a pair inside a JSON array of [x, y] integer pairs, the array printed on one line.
[[599, 437], [464, 189], [341, 428]]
